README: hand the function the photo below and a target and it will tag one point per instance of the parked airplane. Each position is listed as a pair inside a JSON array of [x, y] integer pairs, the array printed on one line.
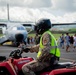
[[15, 32]]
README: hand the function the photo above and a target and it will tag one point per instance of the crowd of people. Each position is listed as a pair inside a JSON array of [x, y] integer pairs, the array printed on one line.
[[67, 41], [33, 40], [30, 40]]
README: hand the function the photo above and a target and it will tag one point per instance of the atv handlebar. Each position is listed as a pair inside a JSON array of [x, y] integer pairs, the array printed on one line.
[[18, 53], [25, 49]]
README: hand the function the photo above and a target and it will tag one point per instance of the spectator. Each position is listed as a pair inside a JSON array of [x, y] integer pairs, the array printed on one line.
[[28, 40], [67, 40], [71, 41], [32, 40], [62, 41], [37, 39], [59, 42], [74, 41]]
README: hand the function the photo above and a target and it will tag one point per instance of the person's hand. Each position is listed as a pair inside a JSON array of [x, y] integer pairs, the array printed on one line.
[[31, 50], [26, 50]]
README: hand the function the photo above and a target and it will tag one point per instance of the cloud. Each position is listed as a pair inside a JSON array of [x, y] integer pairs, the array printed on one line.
[[3, 13], [66, 5], [35, 14], [67, 18], [32, 10], [27, 3]]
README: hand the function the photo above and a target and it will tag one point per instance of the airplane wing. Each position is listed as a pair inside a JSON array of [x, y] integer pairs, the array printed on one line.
[[63, 26]]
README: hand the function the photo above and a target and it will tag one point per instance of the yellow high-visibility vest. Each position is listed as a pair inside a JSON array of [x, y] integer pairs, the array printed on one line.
[[54, 47]]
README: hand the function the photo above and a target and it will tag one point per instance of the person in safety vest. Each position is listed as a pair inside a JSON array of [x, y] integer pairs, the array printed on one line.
[[48, 53]]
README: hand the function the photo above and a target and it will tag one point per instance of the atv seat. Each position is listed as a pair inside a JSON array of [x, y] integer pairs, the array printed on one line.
[[50, 68]]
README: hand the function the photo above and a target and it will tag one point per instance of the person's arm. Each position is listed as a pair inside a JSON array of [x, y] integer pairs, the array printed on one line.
[[31, 49], [34, 48]]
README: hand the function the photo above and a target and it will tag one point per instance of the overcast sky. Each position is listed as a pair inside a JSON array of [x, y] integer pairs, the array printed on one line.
[[58, 11]]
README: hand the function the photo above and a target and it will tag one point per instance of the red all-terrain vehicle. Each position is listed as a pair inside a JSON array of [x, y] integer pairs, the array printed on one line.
[[13, 66]]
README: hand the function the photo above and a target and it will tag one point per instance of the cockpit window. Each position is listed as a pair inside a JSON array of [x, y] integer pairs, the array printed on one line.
[[18, 28]]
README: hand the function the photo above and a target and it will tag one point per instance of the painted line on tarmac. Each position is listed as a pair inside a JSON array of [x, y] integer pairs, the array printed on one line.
[[67, 59]]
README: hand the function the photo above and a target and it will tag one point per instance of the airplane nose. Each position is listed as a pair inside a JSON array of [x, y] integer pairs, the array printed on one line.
[[19, 37]]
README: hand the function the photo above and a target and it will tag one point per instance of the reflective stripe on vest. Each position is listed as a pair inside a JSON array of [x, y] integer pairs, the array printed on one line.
[[53, 46]]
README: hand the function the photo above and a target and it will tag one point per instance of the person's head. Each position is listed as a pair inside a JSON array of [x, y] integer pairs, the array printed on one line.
[[75, 35], [67, 33], [42, 25]]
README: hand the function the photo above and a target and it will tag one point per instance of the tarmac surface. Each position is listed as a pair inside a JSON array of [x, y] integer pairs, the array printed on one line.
[[65, 56]]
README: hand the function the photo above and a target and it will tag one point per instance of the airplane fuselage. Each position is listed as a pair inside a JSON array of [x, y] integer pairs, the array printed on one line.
[[15, 33]]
